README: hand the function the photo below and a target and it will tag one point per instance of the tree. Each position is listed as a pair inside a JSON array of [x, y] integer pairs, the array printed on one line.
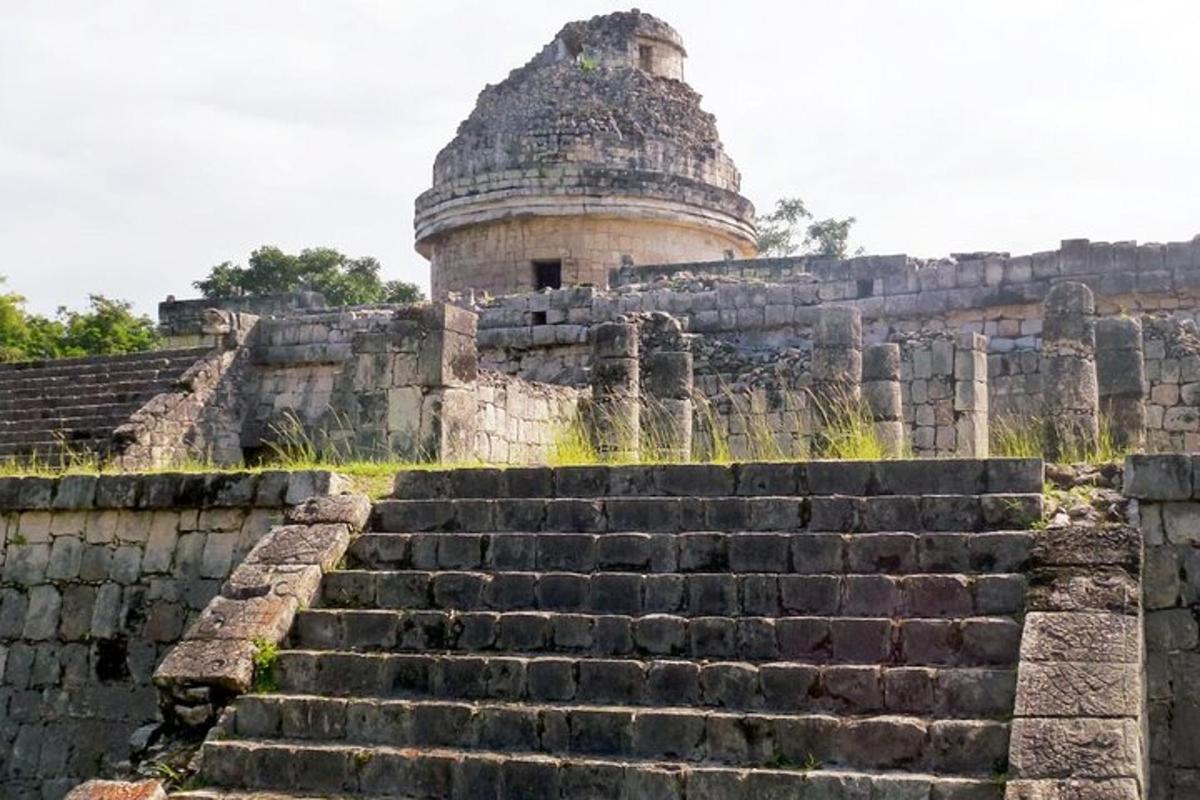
[[778, 230], [342, 280], [109, 327]]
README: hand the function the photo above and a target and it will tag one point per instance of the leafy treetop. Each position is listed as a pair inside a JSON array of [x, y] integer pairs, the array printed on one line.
[[822, 237], [343, 281], [108, 327]]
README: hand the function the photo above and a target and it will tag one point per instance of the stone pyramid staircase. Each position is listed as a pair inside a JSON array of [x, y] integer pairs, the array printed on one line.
[[825, 630], [66, 408]]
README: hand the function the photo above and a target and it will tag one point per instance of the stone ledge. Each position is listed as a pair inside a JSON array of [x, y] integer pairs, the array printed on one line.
[[662, 514], [854, 478], [167, 490]]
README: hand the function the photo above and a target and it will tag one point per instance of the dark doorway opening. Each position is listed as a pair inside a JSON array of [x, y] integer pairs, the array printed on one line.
[[547, 274], [646, 57]]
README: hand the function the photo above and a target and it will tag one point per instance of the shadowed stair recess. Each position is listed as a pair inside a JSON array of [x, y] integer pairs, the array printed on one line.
[[824, 630]]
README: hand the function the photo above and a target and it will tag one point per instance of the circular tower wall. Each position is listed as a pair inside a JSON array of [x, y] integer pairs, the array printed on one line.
[[594, 154]]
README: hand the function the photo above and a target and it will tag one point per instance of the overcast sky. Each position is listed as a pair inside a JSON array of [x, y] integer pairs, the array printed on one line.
[[143, 142]]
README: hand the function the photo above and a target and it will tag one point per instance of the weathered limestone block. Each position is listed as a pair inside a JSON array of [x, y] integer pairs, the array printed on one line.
[[1068, 369], [837, 366], [118, 790], [351, 509], [882, 395], [1080, 747], [322, 545], [615, 410], [665, 380], [1066, 689], [1071, 789]]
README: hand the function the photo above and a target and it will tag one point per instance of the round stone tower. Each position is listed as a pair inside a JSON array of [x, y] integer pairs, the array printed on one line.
[[593, 155]]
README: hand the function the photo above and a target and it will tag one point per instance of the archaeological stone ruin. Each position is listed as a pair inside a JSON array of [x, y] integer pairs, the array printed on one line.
[[628, 550]]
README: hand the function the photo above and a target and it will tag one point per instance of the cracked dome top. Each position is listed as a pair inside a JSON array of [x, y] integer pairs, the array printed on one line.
[[602, 110]]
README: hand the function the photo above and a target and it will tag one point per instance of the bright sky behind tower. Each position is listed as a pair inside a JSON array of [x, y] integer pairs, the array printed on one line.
[[142, 141]]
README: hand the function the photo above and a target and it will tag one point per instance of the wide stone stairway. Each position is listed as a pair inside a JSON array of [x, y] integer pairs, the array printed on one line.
[[64, 409], [823, 630]]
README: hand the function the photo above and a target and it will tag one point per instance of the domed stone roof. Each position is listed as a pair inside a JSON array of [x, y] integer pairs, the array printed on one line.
[[599, 121]]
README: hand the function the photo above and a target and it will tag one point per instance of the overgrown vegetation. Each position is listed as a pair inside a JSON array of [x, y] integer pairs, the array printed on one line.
[[841, 428], [1027, 437], [108, 327], [342, 280]]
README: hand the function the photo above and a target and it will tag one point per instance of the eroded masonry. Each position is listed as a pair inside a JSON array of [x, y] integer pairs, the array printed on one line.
[[722, 607]]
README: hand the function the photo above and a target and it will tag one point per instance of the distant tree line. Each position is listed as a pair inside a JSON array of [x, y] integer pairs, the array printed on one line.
[[344, 281], [108, 327]]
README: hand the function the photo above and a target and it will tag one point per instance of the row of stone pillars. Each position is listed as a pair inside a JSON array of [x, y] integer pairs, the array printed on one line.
[[1093, 375], [642, 381], [642, 384]]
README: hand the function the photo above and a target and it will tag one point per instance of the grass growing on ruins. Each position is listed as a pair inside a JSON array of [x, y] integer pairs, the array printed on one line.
[[1026, 437], [848, 432], [266, 655]]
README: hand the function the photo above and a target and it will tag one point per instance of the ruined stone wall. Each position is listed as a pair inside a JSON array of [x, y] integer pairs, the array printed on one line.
[[972, 288], [386, 382], [944, 393], [184, 323], [99, 576], [1168, 512], [521, 422], [1172, 364]]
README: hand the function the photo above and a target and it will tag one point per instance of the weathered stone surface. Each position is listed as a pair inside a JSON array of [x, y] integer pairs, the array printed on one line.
[[1075, 748], [1079, 690], [1075, 636], [322, 545], [118, 790], [225, 663], [350, 509]]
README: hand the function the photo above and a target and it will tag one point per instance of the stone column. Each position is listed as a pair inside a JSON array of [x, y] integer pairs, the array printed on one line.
[[1121, 380], [411, 390], [881, 391], [616, 390], [971, 396], [1069, 371], [666, 388], [837, 356], [836, 368]]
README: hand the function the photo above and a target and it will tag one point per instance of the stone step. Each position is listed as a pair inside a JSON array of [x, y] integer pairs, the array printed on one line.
[[852, 478], [808, 552], [678, 514], [693, 735], [68, 392], [781, 686], [108, 419], [67, 435], [33, 380], [75, 362], [51, 451], [86, 407], [332, 770], [692, 595], [978, 641]]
